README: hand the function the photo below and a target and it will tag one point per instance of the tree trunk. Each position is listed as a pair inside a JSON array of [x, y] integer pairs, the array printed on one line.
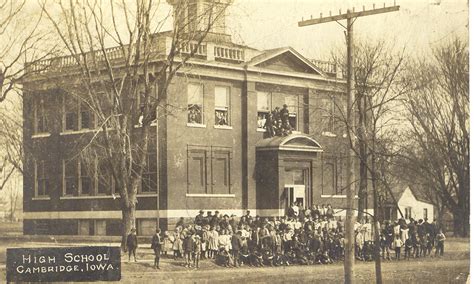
[[128, 222], [461, 222], [362, 193]]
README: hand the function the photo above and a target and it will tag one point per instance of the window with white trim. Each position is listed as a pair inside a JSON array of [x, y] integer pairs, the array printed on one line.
[[77, 115], [86, 186], [41, 179], [197, 170], [150, 173], [263, 108], [195, 104], [292, 102], [70, 180], [333, 181], [221, 171], [40, 117], [331, 119], [104, 178], [222, 106], [86, 117]]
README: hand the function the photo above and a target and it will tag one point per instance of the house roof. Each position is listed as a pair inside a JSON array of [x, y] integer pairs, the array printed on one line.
[[401, 188]]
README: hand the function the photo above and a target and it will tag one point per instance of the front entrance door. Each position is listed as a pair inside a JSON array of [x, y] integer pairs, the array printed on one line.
[[297, 187], [295, 193]]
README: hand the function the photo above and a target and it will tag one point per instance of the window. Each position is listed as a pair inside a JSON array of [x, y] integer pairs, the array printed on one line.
[[42, 183], [329, 171], [70, 177], [192, 16], [263, 108], [222, 106], [86, 117], [292, 103], [295, 176], [328, 115], [104, 178], [86, 227], [77, 115], [209, 170], [408, 213], [40, 120], [149, 177], [70, 113], [197, 171], [221, 172], [86, 184], [100, 227], [195, 104], [334, 182], [425, 213], [215, 12]]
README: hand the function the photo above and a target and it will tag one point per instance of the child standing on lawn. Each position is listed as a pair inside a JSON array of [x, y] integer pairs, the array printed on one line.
[[188, 247], [398, 246], [197, 246], [408, 246], [440, 238], [156, 245], [132, 244]]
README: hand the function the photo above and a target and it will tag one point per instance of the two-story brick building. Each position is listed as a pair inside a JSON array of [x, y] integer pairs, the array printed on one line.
[[215, 154]]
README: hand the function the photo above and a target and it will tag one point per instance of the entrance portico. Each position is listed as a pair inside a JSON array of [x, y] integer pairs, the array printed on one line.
[[285, 172]]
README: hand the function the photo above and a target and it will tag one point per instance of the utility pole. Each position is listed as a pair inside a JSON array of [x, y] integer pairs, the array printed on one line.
[[349, 239]]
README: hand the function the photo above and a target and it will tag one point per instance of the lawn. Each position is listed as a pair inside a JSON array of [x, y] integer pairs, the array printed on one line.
[[453, 267]]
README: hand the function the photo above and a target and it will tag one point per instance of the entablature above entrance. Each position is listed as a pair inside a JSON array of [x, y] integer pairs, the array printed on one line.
[[292, 142]]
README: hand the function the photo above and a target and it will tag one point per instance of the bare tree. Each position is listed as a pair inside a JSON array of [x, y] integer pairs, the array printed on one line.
[[378, 90], [125, 86], [438, 114], [22, 41]]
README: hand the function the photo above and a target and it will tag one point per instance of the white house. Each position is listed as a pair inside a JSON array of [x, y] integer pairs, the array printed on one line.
[[410, 204]]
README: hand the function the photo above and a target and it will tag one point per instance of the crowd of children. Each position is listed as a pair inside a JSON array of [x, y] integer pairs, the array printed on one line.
[[303, 236], [311, 236], [418, 238], [277, 122]]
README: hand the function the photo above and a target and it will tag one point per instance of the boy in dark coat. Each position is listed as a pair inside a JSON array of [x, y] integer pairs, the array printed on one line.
[[156, 246], [188, 247], [236, 242], [132, 244]]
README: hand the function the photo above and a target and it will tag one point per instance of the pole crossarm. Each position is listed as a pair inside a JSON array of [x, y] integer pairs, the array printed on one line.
[[350, 15]]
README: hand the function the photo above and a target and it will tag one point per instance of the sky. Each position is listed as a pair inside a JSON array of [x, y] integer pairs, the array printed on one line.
[[266, 24], [419, 25]]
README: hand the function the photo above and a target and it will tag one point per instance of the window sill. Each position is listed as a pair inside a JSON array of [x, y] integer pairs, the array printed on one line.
[[336, 196], [222, 127], [41, 135], [261, 130], [206, 195], [88, 197], [41, 198], [196, 125], [328, 134], [146, 194], [151, 124], [82, 131]]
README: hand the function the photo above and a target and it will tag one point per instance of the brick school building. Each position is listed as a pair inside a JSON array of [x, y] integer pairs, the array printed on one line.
[[214, 153]]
